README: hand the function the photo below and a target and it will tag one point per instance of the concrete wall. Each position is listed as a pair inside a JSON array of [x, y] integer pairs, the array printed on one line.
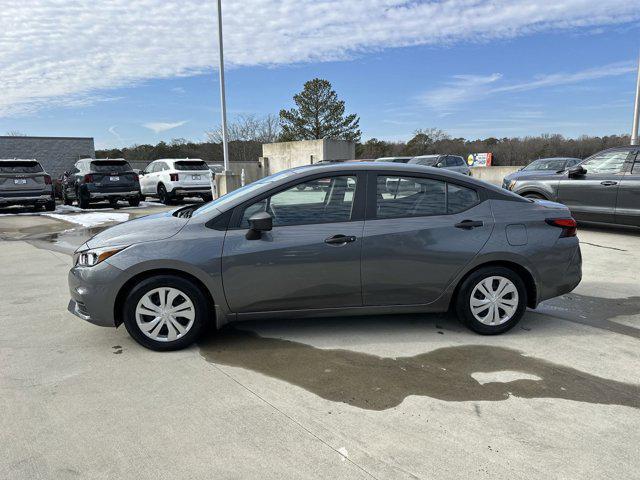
[[283, 155], [492, 174], [56, 154]]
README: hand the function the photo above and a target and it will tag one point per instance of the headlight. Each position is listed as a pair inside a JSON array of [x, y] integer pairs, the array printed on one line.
[[512, 184], [90, 258]]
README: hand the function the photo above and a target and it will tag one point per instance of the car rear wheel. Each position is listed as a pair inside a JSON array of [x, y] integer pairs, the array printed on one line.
[[83, 199], [134, 202], [165, 312], [50, 206], [491, 300], [66, 200], [163, 195]]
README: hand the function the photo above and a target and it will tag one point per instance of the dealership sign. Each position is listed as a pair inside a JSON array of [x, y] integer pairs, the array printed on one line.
[[479, 159]]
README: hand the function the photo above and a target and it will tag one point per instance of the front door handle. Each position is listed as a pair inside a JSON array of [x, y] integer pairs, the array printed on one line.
[[340, 239], [469, 224], [608, 183]]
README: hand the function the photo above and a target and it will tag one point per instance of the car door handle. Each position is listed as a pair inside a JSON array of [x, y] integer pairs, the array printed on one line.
[[608, 183], [469, 224], [340, 239]]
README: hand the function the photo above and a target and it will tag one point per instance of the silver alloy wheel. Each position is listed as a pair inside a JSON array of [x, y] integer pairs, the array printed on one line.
[[494, 300], [165, 314]]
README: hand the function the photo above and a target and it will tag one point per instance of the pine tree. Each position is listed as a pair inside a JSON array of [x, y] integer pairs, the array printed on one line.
[[319, 114]]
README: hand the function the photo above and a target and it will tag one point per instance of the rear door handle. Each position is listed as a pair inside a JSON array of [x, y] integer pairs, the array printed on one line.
[[469, 224], [608, 183], [340, 239]]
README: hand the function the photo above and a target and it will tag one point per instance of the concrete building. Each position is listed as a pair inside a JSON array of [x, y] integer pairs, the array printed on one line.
[[56, 154], [282, 155]]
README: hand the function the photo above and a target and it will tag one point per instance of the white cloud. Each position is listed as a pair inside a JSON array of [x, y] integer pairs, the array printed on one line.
[[62, 53], [462, 89], [159, 127], [112, 130]]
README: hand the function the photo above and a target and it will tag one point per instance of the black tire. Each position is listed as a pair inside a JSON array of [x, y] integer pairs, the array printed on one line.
[[463, 300], [207, 198], [142, 198], [83, 200], [66, 200], [533, 196], [50, 206], [134, 202], [113, 202], [189, 289], [163, 195]]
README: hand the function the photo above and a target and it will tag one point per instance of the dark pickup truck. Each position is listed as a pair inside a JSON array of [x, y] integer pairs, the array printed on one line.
[[94, 180], [24, 182]]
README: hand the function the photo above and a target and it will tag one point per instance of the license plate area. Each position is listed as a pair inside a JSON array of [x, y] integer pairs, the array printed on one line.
[[114, 179], [20, 181], [195, 177]]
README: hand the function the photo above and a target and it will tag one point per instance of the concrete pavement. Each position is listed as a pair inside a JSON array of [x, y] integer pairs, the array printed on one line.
[[377, 397]]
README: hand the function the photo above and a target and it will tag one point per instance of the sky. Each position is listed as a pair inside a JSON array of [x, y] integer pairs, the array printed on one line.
[[130, 72]]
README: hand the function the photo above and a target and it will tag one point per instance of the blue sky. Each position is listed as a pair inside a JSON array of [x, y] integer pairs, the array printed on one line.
[[557, 74]]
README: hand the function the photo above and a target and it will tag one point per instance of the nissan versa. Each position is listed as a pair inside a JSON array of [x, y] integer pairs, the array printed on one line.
[[376, 238]]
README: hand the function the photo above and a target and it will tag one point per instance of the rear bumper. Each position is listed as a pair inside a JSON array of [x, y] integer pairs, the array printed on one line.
[[566, 277], [197, 190], [120, 194], [25, 198]]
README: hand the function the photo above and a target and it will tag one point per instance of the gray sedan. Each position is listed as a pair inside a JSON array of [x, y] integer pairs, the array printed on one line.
[[604, 188], [432, 241]]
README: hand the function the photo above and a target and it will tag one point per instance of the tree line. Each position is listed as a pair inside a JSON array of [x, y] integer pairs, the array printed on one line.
[[319, 113]]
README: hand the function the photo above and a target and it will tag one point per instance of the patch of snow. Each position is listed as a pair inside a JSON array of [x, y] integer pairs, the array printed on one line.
[[504, 376], [343, 451], [92, 218]]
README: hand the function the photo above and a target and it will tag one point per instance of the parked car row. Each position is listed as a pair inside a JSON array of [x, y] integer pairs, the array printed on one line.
[[604, 188], [454, 163]]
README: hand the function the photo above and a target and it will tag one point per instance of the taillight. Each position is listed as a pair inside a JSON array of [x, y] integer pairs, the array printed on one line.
[[136, 178], [88, 178], [173, 177], [47, 180], [568, 225]]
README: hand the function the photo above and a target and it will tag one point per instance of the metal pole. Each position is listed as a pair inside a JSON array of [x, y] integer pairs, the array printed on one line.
[[223, 102], [636, 111]]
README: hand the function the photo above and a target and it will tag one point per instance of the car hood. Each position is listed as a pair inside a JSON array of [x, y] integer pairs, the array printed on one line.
[[519, 175], [158, 226]]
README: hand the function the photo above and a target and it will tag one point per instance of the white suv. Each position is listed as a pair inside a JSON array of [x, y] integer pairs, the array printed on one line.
[[172, 179]]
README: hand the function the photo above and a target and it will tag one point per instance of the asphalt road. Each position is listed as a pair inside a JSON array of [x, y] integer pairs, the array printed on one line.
[[378, 397]]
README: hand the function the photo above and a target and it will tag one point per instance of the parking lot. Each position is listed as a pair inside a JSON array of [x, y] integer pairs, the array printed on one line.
[[415, 396]]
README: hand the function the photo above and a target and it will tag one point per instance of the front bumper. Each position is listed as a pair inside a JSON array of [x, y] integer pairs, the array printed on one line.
[[93, 292]]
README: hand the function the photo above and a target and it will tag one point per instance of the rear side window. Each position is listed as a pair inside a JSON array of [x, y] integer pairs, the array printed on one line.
[[20, 167], [191, 165], [420, 197], [108, 166]]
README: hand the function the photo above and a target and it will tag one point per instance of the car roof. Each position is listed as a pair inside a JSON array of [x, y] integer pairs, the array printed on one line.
[[178, 160], [18, 160]]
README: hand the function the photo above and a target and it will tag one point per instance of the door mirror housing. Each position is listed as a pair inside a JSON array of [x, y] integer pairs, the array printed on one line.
[[258, 223], [576, 171]]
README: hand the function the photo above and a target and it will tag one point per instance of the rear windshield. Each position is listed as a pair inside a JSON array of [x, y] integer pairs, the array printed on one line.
[[191, 165], [107, 166], [20, 167]]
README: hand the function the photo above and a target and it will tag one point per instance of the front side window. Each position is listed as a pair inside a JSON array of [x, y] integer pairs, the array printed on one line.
[[419, 197], [323, 200], [607, 162]]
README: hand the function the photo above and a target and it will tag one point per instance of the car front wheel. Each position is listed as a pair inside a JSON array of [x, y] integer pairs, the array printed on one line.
[[165, 312], [491, 300]]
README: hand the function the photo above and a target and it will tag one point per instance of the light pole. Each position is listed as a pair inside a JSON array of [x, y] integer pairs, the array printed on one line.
[[636, 110], [223, 102]]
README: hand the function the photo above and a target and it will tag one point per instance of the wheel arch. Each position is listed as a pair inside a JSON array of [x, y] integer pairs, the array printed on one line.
[[536, 191], [522, 271], [121, 296]]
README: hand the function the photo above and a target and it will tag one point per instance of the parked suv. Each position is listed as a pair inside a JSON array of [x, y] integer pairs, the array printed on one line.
[[93, 180], [450, 162], [24, 182], [173, 179], [604, 188], [541, 166]]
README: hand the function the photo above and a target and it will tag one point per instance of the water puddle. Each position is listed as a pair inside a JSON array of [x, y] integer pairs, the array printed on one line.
[[377, 383]]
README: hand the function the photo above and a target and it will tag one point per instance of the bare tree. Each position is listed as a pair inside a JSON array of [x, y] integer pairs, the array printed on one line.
[[246, 134], [15, 133]]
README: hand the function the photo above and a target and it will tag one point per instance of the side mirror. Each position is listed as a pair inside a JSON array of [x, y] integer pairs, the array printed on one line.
[[439, 164], [258, 223], [576, 171]]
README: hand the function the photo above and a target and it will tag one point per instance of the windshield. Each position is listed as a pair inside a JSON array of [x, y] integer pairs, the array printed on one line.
[[231, 196], [554, 164], [191, 165], [429, 161], [20, 167], [119, 166]]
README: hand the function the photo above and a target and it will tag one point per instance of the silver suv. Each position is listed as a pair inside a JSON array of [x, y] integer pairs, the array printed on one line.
[[454, 163], [24, 182]]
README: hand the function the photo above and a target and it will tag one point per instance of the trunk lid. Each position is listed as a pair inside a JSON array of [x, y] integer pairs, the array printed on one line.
[[113, 175]]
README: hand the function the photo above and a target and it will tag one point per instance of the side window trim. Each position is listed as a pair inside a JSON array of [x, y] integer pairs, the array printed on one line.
[[372, 193], [357, 211]]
